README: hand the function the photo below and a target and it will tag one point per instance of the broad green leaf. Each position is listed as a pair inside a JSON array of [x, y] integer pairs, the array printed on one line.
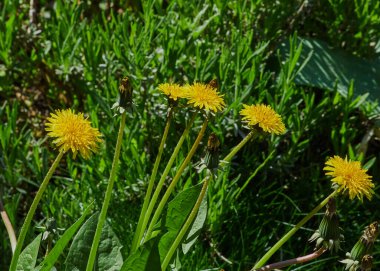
[[150, 254], [332, 69], [109, 257], [61, 244], [145, 258], [81, 246], [196, 228], [177, 212], [28, 256]]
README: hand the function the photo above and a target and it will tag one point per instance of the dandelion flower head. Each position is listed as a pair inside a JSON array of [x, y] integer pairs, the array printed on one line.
[[173, 91], [263, 116], [73, 132], [350, 176], [204, 96]]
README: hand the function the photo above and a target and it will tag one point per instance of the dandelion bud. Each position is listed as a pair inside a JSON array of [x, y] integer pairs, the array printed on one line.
[[125, 99], [367, 263], [214, 84], [328, 233], [366, 242], [211, 159], [359, 257]]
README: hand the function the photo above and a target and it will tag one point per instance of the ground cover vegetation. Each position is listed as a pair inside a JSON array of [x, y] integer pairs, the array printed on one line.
[[74, 54]]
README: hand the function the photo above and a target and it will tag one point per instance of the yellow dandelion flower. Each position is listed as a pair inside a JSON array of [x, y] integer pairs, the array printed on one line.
[[263, 116], [73, 132], [173, 91], [204, 96], [350, 176]]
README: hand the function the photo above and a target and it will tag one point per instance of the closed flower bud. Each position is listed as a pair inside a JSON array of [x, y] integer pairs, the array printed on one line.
[[367, 263], [359, 255], [125, 96], [328, 233], [211, 159], [214, 83], [366, 242]]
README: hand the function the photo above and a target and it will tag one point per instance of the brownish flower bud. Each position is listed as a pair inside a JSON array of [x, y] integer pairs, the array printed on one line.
[[367, 263], [125, 95], [214, 83], [211, 159]]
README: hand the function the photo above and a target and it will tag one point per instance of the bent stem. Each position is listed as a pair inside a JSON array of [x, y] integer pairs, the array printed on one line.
[[290, 233], [8, 226], [175, 180], [297, 260], [186, 226], [238, 147], [32, 210], [107, 198], [161, 182], [151, 180]]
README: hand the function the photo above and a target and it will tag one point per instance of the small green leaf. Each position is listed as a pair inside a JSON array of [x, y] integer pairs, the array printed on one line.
[[28, 256], [61, 244]]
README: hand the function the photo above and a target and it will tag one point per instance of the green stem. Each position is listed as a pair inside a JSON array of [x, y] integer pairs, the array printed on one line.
[[103, 212], [290, 233], [8, 226], [170, 189], [32, 210], [238, 147], [185, 226], [151, 180], [161, 182]]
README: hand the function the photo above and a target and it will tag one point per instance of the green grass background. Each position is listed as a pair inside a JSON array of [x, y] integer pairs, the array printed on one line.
[[73, 54]]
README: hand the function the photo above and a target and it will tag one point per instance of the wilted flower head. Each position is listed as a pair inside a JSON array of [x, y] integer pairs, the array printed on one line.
[[173, 91], [360, 256], [204, 96], [263, 116], [73, 132], [350, 176]]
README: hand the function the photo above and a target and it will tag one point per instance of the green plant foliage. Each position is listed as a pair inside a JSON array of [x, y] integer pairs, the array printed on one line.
[[334, 69], [145, 258], [49, 261], [28, 256], [109, 256]]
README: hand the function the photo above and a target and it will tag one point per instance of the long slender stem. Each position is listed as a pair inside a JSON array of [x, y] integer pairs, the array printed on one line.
[[186, 226], [161, 182], [290, 233], [107, 198], [176, 178], [239, 146], [8, 226], [151, 180], [32, 210], [297, 260]]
